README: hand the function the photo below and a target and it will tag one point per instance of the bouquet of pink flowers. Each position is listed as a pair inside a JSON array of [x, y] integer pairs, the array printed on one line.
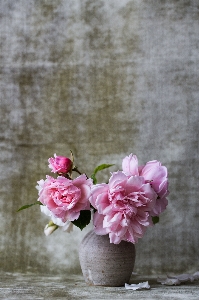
[[124, 207]]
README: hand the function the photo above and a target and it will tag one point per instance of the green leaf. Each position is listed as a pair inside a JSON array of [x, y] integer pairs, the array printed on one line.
[[97, 169], [83, 220], [29, 205], [155, 219]]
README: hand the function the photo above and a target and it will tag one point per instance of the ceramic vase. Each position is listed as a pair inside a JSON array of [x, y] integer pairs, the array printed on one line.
[[104, 263]]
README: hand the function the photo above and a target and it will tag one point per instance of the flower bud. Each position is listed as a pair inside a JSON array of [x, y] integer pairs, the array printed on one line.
[[60, 164], [50, 228]]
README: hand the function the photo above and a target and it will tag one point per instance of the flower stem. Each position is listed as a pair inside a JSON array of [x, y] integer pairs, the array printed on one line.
[[76, 170]]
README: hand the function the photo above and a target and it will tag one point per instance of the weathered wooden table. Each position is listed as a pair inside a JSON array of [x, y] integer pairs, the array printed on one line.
[[38, 287]]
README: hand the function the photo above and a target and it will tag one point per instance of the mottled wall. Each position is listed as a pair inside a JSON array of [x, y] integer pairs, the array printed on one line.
[[103, 78]]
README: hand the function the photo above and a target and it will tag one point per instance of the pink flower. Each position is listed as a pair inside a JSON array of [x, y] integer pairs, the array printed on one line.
[[130, 165], [154, 173], [123, 207], [65, 198], [60, 164]]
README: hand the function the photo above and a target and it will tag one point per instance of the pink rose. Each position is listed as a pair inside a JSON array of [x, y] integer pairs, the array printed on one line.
[[153, 173], [123, 207], [60, 164], [65, 198]]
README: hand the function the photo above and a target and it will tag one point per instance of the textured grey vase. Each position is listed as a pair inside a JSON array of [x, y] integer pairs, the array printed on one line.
[[104, 263]]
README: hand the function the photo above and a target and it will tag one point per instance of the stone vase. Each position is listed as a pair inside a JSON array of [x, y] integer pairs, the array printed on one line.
[[104, 263]]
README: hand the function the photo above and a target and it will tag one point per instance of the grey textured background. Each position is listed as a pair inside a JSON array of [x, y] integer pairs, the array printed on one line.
[[103, 78]]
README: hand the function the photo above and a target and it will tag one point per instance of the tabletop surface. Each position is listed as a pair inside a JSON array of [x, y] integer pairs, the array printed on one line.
[[38, 287]]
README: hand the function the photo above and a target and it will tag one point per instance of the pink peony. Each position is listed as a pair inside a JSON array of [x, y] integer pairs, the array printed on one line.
[[123, 207], [65, 198], [60, 164], [130, 165], [154, 173]]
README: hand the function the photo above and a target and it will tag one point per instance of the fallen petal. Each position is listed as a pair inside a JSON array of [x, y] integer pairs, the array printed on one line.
[[139, 286], [184, 277], [171, 281]]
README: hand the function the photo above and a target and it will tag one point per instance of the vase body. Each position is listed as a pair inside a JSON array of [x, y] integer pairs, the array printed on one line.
[[104, 263]]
